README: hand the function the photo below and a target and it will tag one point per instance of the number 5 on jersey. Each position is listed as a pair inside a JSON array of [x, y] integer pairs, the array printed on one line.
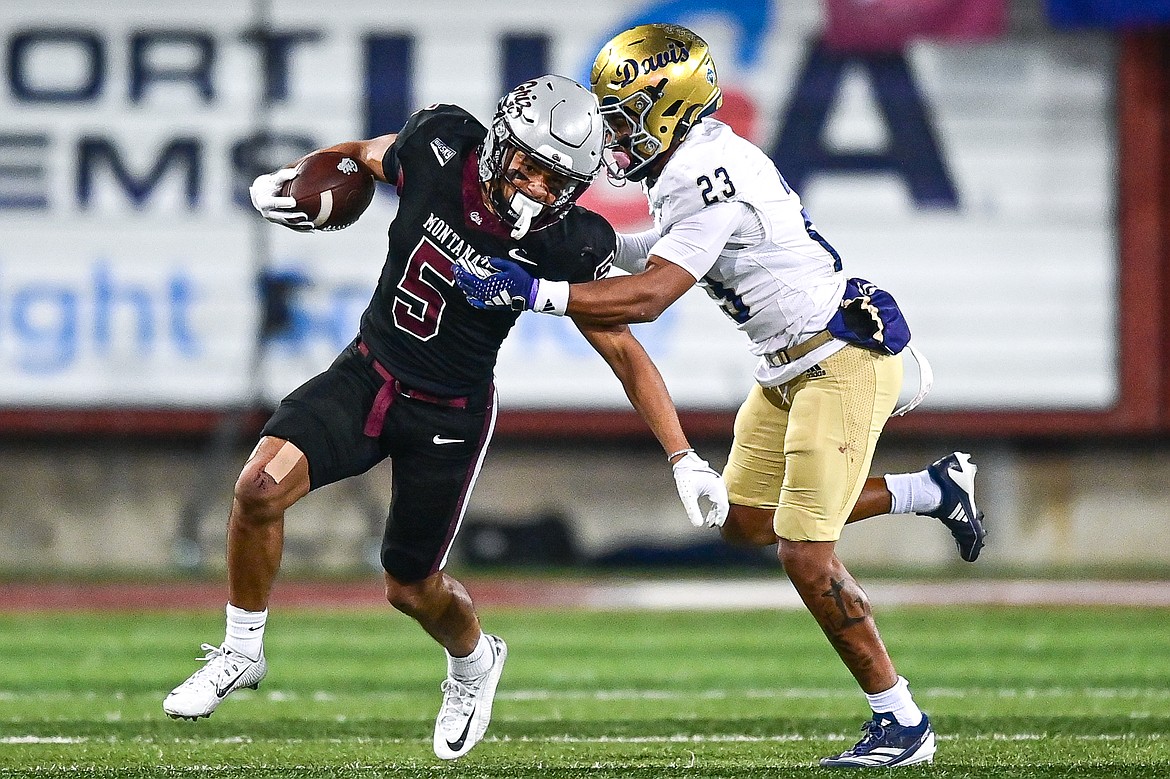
[[418, 309]]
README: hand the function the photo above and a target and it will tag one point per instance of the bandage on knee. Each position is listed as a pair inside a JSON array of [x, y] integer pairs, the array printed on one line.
[[283, 461]]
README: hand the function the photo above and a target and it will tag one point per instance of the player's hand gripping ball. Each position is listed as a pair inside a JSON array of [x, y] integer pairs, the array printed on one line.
[[331, 189]]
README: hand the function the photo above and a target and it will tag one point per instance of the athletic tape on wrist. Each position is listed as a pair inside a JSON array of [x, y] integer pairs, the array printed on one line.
[[550, 297]]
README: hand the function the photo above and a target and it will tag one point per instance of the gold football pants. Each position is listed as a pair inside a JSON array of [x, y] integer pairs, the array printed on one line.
[[804, 448]]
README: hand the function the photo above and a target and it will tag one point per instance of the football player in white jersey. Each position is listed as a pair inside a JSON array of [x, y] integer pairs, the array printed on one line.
[[830, 367]]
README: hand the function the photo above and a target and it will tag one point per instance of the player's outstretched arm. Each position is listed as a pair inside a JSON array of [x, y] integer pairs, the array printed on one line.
[[619, 300], [641, 297], [703, 493]]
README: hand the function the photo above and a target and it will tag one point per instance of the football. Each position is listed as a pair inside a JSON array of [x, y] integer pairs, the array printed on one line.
[[331, 188]]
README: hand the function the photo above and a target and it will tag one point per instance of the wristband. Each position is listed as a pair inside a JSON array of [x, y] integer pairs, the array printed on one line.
[[550, 297], [673, 455]]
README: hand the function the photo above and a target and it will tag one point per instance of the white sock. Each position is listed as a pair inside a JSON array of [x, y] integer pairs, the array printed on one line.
[[897, 701], [913, 493], [476, 664], [245, 631]]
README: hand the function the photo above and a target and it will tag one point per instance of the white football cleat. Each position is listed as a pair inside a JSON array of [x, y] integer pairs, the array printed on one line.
[[224, 673], [467, 707]]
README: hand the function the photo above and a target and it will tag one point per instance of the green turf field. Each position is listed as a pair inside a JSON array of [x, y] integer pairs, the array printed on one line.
[[1056, 692]]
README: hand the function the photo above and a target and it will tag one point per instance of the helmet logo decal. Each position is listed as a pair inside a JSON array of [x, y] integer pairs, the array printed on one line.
[[518, 99], [628, 70]]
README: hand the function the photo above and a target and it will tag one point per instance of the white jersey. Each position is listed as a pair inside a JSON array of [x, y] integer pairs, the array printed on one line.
[[773, 274]]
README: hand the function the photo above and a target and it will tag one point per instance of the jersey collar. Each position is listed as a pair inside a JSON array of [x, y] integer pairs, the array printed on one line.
[[476, 213]]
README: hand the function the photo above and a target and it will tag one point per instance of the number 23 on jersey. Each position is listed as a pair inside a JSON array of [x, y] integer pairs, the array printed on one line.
[[716, 188]]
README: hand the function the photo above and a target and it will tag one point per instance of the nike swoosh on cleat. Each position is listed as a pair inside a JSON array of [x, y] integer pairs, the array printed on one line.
[[220, 693], [440, 440], [457, 744]]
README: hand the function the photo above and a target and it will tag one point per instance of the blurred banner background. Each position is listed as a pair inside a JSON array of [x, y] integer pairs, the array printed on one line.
[[1002, 166]]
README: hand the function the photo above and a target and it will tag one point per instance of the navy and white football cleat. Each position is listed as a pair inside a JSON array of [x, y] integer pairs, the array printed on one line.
[[955, 476], [887, 744]]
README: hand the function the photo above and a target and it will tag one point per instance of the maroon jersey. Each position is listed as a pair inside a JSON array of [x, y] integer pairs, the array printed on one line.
[[419, 324]]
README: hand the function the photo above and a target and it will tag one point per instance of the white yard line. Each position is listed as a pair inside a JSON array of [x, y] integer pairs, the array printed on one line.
[[778, 593]]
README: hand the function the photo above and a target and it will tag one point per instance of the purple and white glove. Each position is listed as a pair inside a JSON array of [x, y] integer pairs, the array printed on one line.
[[504, 284], [499, 284]]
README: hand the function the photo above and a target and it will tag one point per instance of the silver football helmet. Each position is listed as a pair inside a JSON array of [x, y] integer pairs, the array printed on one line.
[[555, 123]]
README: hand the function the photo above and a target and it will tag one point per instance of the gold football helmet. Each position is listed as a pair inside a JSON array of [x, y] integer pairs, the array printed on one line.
[[653, 82]]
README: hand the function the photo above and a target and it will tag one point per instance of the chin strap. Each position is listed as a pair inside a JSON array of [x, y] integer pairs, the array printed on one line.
[[526, 210]]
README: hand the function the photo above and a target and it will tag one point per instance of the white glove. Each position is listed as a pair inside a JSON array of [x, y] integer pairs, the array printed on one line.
[[703, 493], [266, 199]]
